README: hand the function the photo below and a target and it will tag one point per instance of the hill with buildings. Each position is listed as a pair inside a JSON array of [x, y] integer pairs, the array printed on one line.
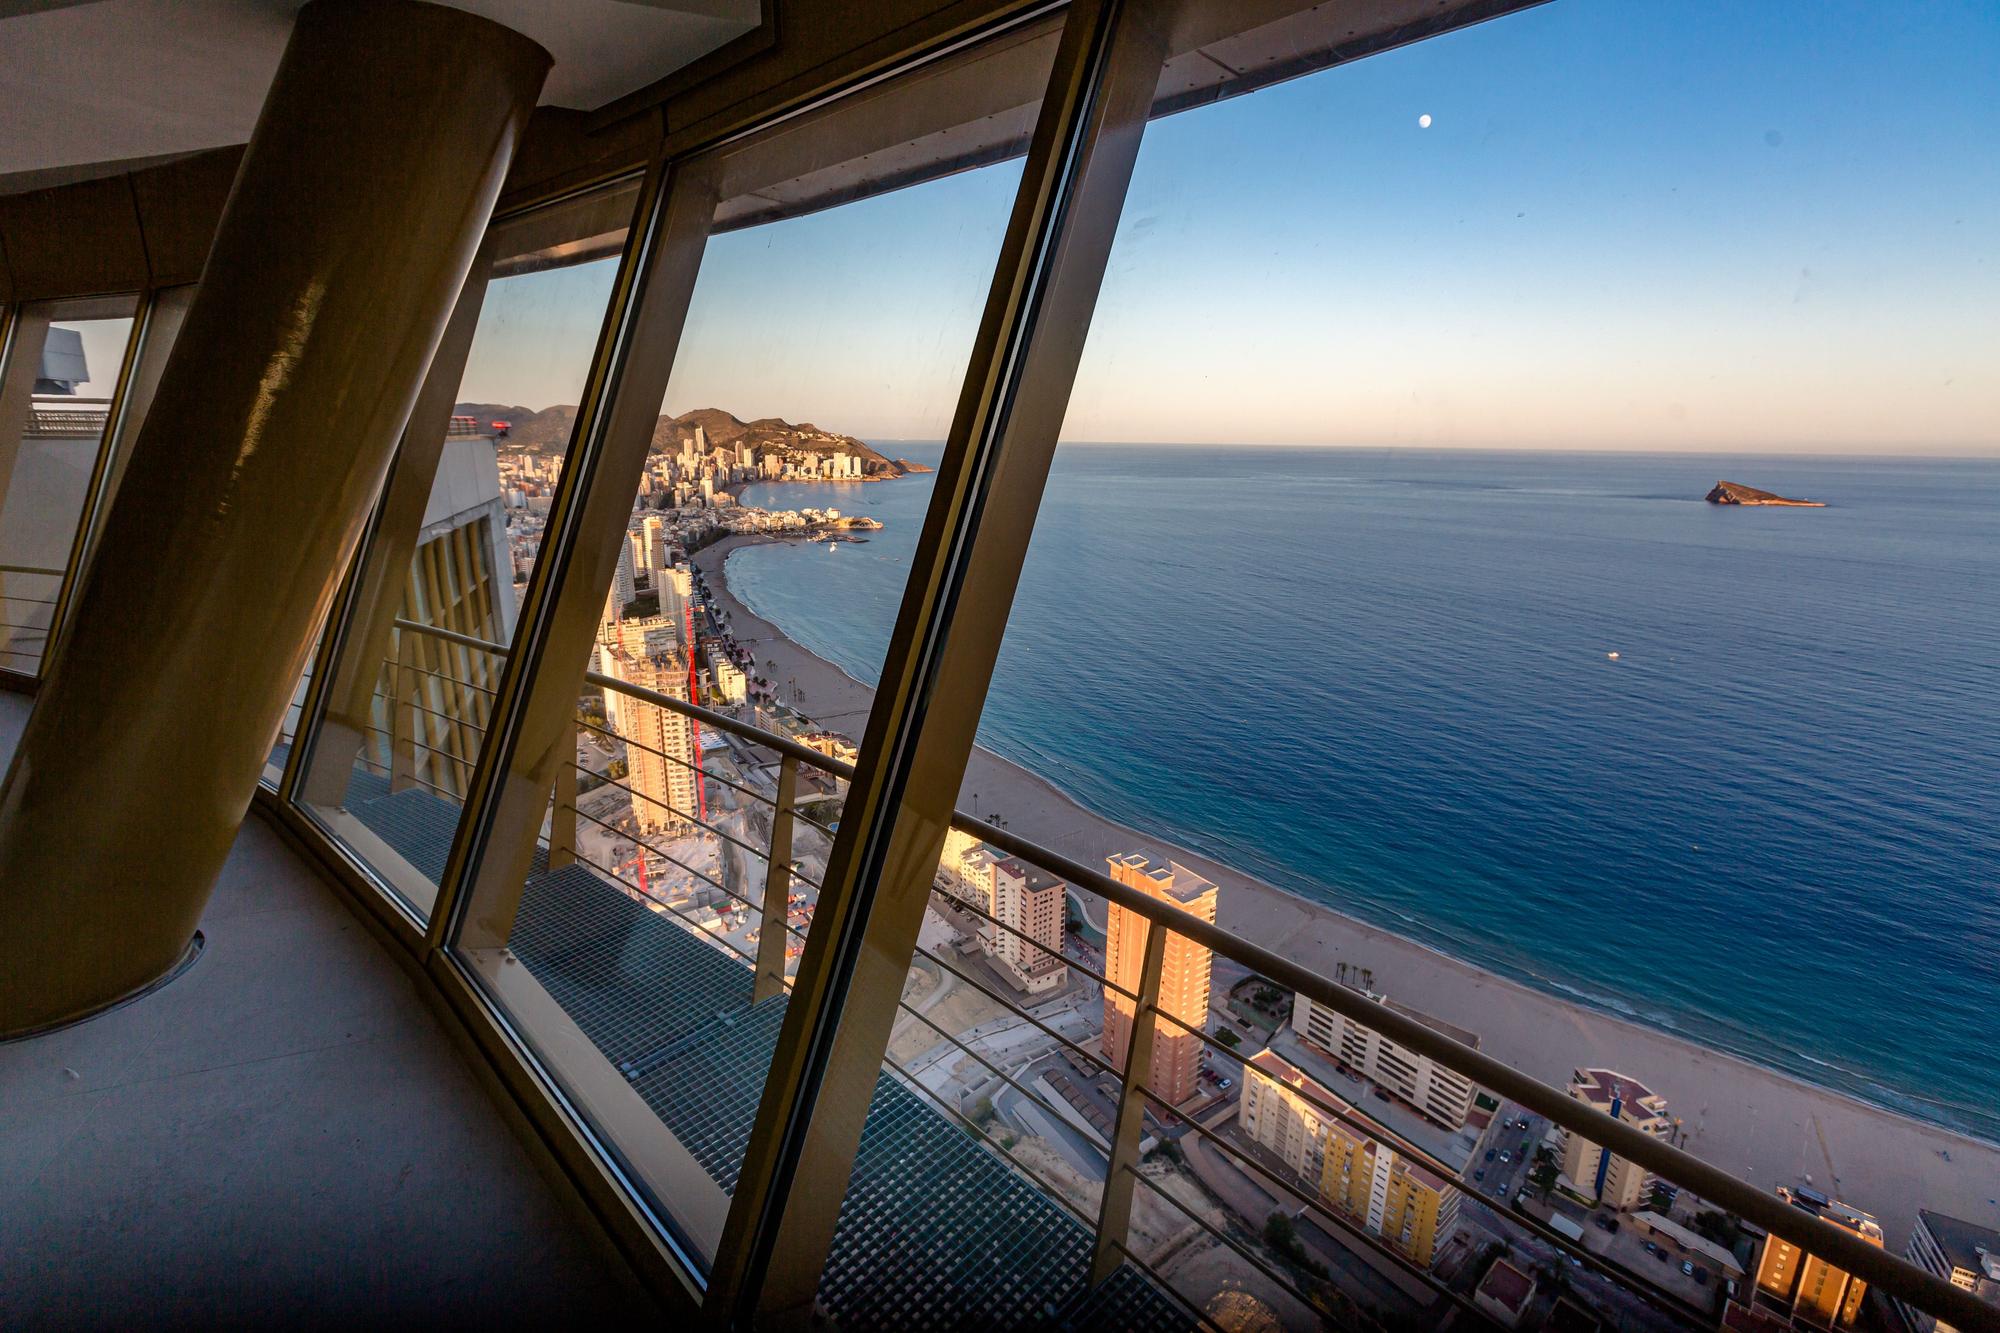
[[548, 432]]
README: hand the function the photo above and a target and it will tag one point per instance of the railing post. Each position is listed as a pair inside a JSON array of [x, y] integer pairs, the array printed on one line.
[[777, 888], [1114, 1214], [403, 715], [562, 830]]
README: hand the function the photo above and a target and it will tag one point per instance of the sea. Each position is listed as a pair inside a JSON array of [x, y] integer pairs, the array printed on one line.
[[1731, 772]]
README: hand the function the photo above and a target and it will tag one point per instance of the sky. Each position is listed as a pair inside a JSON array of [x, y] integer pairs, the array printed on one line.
[[1684, 225]]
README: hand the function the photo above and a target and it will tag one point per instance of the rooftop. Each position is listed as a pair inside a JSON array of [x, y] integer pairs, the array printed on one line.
[[1833, 1211], [1508, 1286], [1035, 878], [1966, 1245], [1601, 1087], [1463, 1036], [1173, 882]]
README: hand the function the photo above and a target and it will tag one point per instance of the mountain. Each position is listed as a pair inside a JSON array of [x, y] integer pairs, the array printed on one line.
[[548, 432]]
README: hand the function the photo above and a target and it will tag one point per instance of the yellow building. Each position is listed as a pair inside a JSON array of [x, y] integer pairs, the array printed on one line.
[[1607, 1177], [1176, 1070], [1805, 1286], [1407, 1204], [1324, 1140], [659, 749]]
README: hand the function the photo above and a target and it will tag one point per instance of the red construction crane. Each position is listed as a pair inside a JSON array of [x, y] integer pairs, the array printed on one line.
[[700, 790]]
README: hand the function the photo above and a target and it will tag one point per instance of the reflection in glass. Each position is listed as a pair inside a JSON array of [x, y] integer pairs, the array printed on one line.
[[55, 411], [438, 598]]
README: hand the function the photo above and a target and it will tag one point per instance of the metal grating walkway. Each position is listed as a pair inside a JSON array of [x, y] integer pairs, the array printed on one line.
[[935, 1233]]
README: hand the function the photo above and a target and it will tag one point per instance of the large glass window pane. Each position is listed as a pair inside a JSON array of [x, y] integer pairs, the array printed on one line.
[[458, 531], [1374, 610], [61, 378], [831, 324]]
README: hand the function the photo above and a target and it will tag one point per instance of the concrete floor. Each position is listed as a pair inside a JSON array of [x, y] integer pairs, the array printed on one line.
[[282, 1136]]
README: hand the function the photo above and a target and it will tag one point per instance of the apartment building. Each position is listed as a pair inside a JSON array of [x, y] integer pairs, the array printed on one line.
[[1184, 976], [1030, 906], [1963, 1253], [1325, 1140], [1440, 1094], [1802, 1286], [1611, 1180]]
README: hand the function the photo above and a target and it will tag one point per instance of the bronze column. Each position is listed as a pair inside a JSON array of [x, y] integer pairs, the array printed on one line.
[[356, 212]]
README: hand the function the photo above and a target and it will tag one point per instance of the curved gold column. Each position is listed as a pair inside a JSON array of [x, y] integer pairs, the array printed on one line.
[[356, 212]]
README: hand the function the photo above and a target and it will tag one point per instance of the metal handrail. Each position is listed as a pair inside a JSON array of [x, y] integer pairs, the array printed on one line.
[[1875, 1264]]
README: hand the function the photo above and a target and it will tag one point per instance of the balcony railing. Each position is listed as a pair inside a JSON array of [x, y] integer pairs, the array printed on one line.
[[1109, 1216], [28, 595], [69, 418]]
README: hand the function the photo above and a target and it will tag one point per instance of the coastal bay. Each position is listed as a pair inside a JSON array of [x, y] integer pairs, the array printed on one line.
[[1769, 1126]]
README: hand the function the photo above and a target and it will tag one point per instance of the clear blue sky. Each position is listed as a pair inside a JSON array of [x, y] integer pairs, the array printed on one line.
[[1693, 225]]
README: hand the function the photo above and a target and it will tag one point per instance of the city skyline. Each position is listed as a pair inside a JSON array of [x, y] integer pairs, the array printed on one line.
[[1801, 264]]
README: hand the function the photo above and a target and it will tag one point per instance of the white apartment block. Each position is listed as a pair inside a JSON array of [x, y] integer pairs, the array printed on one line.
[[1029, 905], [1440, 1095]]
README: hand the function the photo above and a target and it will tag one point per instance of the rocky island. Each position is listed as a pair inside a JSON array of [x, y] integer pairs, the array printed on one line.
[[1729, 493]]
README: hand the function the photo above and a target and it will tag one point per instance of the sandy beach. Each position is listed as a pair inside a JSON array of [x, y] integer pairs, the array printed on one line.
[[1765, 1126]]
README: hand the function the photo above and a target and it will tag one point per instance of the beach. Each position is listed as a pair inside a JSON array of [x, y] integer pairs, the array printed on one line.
[[1765, 1126]]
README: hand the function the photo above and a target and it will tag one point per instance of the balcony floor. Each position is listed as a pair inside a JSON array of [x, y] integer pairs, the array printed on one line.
[[281, 1135]]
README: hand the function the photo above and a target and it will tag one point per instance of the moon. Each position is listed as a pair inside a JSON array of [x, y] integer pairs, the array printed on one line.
[[1424, 121]]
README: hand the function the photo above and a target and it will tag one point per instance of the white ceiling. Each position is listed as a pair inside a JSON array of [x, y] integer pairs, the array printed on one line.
[[90, 81]]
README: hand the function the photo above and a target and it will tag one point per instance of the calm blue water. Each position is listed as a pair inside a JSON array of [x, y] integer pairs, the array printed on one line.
[[1379, 679]]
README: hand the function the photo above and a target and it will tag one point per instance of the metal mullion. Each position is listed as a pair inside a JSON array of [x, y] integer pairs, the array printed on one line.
[[93, 495], [933, 683], [533, 726], [315, 677], [362, 617], [1103, 1065]]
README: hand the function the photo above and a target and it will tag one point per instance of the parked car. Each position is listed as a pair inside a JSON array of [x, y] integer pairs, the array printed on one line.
[[1687, 1269], [1480, 1174], [1505, 1157], [1489, 1154], [1701, 1276]]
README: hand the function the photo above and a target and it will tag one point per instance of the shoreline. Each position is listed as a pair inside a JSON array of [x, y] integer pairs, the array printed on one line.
[[1765, 1125]]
